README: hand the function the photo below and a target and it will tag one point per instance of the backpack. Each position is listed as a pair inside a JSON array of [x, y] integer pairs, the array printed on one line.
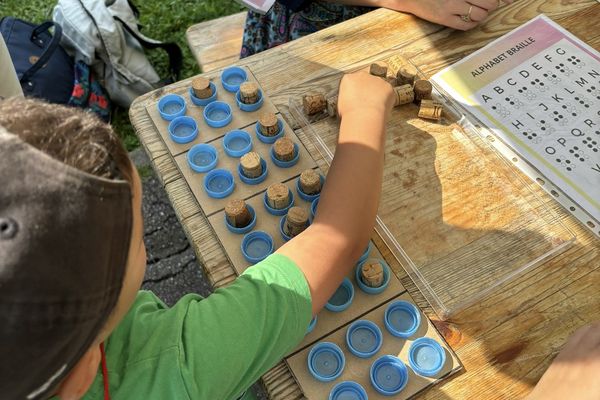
[[105, 35]]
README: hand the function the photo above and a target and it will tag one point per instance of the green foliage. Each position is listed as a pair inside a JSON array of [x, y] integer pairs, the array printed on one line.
[[165, 20]]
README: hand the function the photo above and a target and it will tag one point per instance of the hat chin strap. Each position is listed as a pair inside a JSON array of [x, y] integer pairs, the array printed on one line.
[[104, 373]]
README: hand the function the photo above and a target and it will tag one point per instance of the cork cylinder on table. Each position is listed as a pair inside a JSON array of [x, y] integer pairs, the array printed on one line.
[[296, 221], [268, 124], [283, 149], [249, 92], [237, 213], [379, 68], [406, 75], [422, 90], [394, 64], [314, 103], [278, 196], [201, 87], [251, 165], [404, 95], [310, 182], [431, 110]]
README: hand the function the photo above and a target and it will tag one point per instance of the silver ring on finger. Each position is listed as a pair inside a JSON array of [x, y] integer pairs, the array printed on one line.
[[467, 17]]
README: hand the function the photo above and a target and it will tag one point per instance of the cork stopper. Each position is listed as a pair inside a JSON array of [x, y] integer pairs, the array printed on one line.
[[422, 90], [406, 75], [278, 196], [251, 166], [404, 95], [395, 63], [268, 124], [372, 274], [314, 103], [332, 103], [379, 68], [237, 213], [391, 80], [296, 221], [310, 182], [249, 92], [201, 87], [284, 149], [431, 110]]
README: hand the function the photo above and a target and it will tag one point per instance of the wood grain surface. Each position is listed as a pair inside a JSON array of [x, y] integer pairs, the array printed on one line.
[[505, 341]]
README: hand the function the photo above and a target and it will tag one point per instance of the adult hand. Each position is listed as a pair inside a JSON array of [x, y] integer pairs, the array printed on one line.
[[575, 372], [457, 14], [361, 91]]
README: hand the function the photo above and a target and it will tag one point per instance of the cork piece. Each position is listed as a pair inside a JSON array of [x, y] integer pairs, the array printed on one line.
[[391, 80], [251, 166], [379, 68], [422, 90], [314, 103], [237, 213], [201, 87], [310, 182], [372, 274], [249, 92], [268, 124], [284, 149], [395, 63], [278, 196], [332, 103], [406, 75], [296, 221], [404, 95], [431, 110]]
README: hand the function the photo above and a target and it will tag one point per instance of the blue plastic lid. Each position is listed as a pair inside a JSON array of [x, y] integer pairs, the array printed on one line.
[[202, 157], [204, 102], [348, 390], [219, 183], [366, 288], [313, 207], [364, 338], [171, 106], [309, 197], [256, 246], [426, 357], [311, 326], [245, 229], [183, 129], [282, 229], [342, 298], [366, 253], [269, 139], [402, 319], [237, 143], [217, 114], [258, 179], [388, 375], [232, 78], [326, 361], [286, 164], [278, 211], [249, 107]]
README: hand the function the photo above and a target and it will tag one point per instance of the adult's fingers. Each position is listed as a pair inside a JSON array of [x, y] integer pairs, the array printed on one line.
[[488, 5], [475, 13], [456, 22]]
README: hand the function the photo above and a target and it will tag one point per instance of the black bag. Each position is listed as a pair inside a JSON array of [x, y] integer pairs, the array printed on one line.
[[43, 67]]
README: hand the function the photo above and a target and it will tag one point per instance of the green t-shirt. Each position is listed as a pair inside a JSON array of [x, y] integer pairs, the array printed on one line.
[[213, 348]]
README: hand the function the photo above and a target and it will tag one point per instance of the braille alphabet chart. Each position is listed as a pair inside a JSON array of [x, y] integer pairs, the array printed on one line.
[[537, 88]]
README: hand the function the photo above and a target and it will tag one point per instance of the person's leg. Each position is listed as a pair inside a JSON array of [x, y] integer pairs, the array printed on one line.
[[9, 84]]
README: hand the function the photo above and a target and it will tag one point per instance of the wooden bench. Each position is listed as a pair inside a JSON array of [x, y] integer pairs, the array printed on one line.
[[217, 43]]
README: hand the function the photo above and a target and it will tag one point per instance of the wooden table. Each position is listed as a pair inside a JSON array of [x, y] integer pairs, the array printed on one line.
[[507, 340]]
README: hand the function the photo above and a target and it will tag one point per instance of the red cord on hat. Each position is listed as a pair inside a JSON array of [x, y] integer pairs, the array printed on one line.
[[104, 373]]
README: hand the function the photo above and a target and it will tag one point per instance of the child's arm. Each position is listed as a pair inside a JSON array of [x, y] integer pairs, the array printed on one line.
[[327, 251]]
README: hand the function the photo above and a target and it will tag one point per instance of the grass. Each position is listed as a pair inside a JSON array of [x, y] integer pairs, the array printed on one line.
[[165, 20]]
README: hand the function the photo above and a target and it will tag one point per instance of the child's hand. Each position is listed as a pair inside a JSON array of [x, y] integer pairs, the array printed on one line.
[[360, 92]]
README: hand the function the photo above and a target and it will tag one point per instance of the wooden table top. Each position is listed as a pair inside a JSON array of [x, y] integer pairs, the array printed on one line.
[[505, 341]]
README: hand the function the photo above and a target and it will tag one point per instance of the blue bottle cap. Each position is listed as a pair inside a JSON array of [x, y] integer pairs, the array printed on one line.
[[232, 78], [278, 211], [183, 129], [426, 357], [313, 207], [256, 246], [366, 288], [326, 361], [364, 338], [311, 326], [348, 390], [402, 319], [217, 114], [308, 197], [245, 229], [202, 157], [342, 298], [258, 179], [269, 139], [237, 143], [218, 183], [204, 102], [388, 375], [282, 229], [286, 164], [249, 107], [366, 253], [171, 106]]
